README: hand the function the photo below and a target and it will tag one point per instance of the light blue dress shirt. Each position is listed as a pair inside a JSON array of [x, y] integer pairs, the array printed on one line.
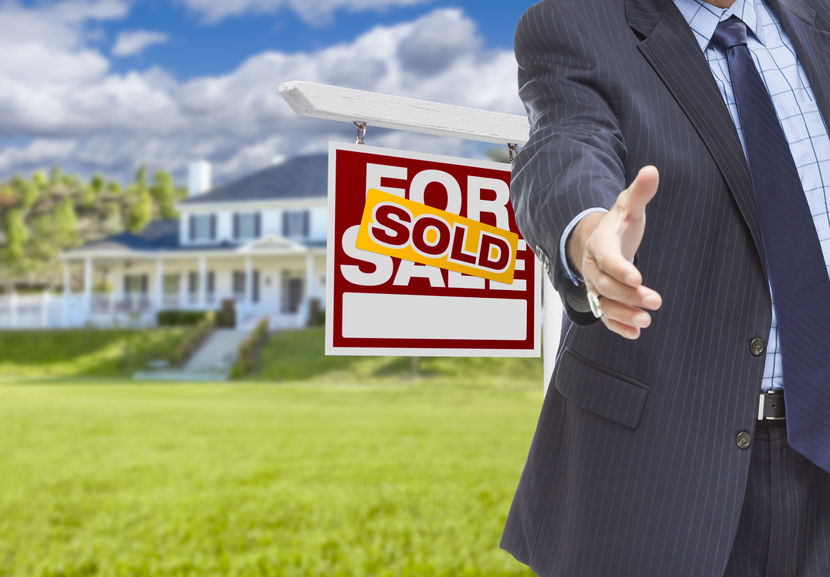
[[795, 106]]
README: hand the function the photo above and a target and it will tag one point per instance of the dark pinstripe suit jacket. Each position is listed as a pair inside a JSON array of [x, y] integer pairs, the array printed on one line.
[[634, 470]]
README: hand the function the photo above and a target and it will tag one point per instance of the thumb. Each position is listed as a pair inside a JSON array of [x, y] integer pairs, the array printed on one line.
[[639, 194]]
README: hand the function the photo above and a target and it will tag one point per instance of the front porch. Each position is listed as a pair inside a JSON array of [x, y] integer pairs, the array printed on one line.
[[108, 290]]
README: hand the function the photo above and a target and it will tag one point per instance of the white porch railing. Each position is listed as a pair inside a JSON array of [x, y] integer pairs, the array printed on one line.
[[49, 311]]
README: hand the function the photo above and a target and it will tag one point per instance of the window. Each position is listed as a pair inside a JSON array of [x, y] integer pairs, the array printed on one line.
[[202, 227], [239, 285], [246, 225], [193, 286], [292, 292], [171, 284], [135, 283], [295, 223]]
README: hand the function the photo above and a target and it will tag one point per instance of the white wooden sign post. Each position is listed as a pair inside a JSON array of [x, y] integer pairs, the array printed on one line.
[[370, 109]]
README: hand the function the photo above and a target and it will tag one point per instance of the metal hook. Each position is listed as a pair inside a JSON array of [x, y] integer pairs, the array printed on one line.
[[512, 150], [361, 132]]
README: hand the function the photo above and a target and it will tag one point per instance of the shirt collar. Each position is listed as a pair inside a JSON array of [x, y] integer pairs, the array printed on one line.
[[703, 18]]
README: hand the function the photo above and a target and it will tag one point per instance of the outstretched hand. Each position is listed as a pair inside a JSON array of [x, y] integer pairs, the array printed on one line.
[[603, 246]]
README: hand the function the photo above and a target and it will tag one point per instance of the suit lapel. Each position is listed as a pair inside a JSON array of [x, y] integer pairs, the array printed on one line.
[[811, 40], [670, 48]]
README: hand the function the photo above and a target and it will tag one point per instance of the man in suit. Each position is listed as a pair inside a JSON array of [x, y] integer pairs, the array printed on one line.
[[660, 449]]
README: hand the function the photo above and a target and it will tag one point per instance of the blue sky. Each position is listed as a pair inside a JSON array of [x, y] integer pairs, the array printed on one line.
[[105, 85]]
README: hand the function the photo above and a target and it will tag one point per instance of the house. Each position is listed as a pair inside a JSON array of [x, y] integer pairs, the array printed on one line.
[[259, 240]]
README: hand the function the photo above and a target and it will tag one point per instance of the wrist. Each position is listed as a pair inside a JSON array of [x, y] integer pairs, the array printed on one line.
[[575, 245]]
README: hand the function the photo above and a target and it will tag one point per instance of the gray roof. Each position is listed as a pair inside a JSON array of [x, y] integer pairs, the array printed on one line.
[[299, 177], [163, 235], [158, 235]]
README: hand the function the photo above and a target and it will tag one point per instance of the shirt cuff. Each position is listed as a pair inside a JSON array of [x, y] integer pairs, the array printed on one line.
[[563, 256]]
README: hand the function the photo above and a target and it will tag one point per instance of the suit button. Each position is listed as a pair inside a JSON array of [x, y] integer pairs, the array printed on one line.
[[744, 440], [757, 347]]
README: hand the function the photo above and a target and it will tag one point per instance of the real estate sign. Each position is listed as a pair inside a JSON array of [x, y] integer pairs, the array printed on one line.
[[425, 259]]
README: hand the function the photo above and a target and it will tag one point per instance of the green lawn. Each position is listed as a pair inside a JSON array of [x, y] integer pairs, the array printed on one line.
[[84, 353], [357, 471], [299, 355]]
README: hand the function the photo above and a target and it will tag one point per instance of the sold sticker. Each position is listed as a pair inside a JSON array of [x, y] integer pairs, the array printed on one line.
[[409, 230]]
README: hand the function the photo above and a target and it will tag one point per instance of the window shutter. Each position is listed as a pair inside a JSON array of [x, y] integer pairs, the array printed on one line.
[[210, 282], [285, 223], [258, 225], [191, 233], [306, 222], [235, 225], [256, 285], [191, 283], [144, 284], [212, 227]]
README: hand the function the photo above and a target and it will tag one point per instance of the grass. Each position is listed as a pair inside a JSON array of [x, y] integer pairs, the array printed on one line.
[[331, 477], [299, 355], [87, 353]]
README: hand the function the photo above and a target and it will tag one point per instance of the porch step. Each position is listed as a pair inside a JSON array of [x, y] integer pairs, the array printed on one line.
[[173, 375], [211, 363], [218, 353]]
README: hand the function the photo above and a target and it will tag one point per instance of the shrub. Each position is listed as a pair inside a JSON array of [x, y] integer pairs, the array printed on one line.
[[179, 318], [194, 340], [316, 315], [249, 350], [227, 314]]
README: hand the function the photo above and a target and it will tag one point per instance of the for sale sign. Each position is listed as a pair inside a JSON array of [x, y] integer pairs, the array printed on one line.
[[425, 259]]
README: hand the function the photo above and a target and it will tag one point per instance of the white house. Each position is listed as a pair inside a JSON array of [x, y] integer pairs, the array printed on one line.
[[260, 240]]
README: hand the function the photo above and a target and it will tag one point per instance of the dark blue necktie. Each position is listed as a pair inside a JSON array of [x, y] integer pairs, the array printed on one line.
[[797, 271]]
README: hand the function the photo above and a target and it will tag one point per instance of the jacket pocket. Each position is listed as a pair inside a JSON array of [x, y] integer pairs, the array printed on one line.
[[600, 390]]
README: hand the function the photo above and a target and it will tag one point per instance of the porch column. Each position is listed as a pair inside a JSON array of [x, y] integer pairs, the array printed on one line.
[[249, 281], [202, 282], [67, 294], [87, 287], [159, 284], [13, 309], [311, 289], [44, 309]]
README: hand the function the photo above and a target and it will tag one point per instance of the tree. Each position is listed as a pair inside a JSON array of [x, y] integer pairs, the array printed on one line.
[[27, 192], [42, 246], [111, 217], [141, 176], [93, 191], [40, 180], [66, 223], [164, 193], [16, 236], [141, 212], [114, 188]]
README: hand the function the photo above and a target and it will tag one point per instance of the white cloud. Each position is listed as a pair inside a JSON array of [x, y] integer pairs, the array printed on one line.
[[136, 41], [103, 121], [312, 11]]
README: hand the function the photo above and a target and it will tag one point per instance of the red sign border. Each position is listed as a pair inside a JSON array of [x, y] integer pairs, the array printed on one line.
[[416, 347]]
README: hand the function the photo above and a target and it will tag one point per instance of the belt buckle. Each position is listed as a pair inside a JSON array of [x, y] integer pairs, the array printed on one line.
[[762, 403]]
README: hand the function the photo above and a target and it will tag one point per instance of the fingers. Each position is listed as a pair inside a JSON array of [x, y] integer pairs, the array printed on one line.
[[640, 296], [635, 198], [602, 260]]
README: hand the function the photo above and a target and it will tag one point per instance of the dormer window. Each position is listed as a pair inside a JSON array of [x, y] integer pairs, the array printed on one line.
[[295, 223], [202, 227], [246, 225]]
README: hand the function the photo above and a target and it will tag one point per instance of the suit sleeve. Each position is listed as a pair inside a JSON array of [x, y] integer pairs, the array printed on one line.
[[573, 160]]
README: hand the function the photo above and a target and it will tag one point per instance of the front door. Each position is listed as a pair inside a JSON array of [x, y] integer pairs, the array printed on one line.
[[292, 294]]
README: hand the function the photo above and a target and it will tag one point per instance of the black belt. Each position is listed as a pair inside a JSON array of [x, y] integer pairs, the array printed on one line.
[[771, 406]]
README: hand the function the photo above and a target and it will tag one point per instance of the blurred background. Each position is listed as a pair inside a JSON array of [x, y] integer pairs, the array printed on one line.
[[177, 416]]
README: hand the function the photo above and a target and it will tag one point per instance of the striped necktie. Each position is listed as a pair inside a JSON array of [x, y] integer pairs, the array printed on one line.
[[796, 267]]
